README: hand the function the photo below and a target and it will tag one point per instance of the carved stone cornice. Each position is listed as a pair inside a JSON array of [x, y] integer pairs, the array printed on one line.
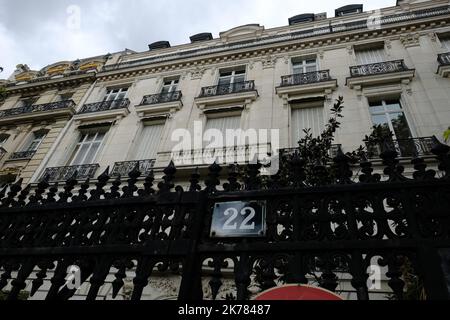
[[410, 40]]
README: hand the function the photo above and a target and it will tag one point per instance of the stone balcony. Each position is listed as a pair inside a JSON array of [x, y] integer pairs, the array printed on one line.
[[37, 112], [379, 73], [160, 103], [236, 93], [444, 64], [297, 86]]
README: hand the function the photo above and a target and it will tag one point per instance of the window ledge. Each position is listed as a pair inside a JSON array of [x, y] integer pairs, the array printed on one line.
[[38, 115], [103, 115], [158, 108], [241, 97], [301, 89], [393, 77]]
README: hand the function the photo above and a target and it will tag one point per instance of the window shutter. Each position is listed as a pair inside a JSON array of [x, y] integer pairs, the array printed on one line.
[[224, 124], [149, 142], [370, 56], [307, 118]]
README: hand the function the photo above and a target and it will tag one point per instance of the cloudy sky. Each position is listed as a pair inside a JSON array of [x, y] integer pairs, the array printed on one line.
[[42, 32]]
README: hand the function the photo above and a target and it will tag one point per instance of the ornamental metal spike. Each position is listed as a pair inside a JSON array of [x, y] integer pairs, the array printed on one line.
[[393, 170], [84, 187], [169, 174], [195, 181], [71, 182], [442, 152], [233, 184], [343, 173], [148, 185], [102, 181], [13, 191], [130, 189], [212, 181], [21, 199], [367, 175], [115, 187]]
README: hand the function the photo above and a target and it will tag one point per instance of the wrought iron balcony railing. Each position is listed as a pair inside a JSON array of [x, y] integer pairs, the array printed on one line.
[[105, 106], [378, 68], [161, 98], [332, 152], [444, 59], [223, 89], [23, 155], [124, 168], [305, 78], [84, 172], [37, 108], [405, 148]]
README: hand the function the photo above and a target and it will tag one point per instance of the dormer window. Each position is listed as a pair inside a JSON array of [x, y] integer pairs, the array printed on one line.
[[349, 10]]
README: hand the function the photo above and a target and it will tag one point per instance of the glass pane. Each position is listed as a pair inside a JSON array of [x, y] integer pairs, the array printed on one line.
[[224, 81], [311, 68], [400, 125], [240, 71], [380, 120], [81, 154], [91, 153], [225, 74], [89, 137], [376, 109], [311, 61], [165, 89], [240, 78], [393, 106], [298, 69], [100, 136]]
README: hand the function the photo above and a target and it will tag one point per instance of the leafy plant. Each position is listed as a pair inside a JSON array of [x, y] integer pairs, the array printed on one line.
[[447, 135]]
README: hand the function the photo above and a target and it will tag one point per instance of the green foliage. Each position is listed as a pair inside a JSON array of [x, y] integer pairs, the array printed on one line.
[[447, 135]]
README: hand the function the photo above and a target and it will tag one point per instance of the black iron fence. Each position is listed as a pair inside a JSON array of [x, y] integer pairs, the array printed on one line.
[[305, 78], [37, 108], [378, 68], [222, 89], [83, 172], [105, 106], [313, 231], [444, 59], [161, 98]]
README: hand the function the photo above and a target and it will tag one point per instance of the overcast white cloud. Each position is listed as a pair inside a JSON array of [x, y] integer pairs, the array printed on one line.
[[42, 32]]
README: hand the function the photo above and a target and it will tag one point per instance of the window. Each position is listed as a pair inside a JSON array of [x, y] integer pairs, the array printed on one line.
[[35, 141], [3, 139], [232, 76], [304, 65], [445, 43], [370, 55], [149, 141], [87, 148], [64, 97], [307, 115], [223, 124], [115, 94], [27, 102], [170, 86], [389, 114]]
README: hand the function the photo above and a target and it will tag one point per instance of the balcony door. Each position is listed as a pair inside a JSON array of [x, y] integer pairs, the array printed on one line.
[[149, 141], [370, 56], [389, 114], [87, 148], [34, 142], [306, 115], [170, 86], [116, 96]]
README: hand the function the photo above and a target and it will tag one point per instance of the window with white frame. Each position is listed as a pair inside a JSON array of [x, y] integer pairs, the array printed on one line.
[[34, 142], [231, 76], [307, 115], [170, 85], [370, 55], [115, 94], [149, 141], [87, 147], [390, 115], [304, 65]]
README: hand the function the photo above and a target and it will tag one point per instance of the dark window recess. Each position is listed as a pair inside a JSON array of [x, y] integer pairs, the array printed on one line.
[[159, 45], [201, 37], [350, 9], [301, 18]]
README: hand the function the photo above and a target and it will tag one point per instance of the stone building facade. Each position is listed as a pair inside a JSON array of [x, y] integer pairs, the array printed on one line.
[[390, 65]]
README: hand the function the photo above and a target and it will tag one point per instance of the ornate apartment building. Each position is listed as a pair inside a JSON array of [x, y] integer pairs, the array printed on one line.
[[390, 65]]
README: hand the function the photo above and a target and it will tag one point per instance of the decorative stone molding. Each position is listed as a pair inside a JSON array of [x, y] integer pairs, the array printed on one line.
[[410, 40], [433, 36], [197, 74], [242, 32], [269, 62]]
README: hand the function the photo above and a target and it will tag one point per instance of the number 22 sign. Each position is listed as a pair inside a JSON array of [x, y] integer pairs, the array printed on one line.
[[239, 219]]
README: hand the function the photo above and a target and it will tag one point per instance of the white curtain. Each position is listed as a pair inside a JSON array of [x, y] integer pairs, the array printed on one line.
[[370, 56], [223, 124], [149, 142], [307, 118]]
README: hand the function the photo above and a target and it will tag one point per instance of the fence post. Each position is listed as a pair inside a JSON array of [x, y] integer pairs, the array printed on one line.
[[191, 282], [433, 275]]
